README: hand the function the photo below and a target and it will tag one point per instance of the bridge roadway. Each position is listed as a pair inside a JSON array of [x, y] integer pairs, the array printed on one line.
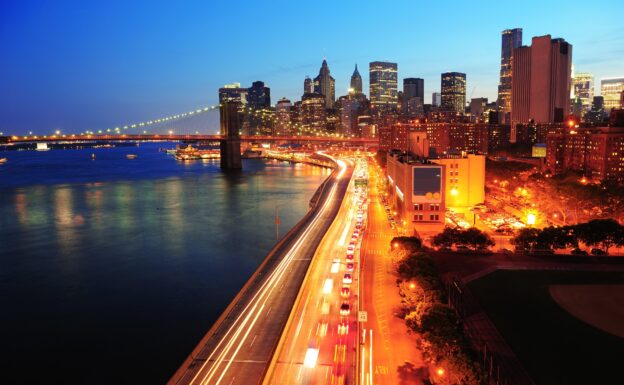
[[239, 346], [165, 137]]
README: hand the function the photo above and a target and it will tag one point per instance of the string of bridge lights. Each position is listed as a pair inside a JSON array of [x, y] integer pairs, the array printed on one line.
[[264, 114]]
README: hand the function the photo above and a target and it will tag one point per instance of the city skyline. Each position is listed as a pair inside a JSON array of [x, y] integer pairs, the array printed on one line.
[[157, 69]]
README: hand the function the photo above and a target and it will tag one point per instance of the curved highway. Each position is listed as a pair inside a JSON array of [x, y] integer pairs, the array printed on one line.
[[239, 346]]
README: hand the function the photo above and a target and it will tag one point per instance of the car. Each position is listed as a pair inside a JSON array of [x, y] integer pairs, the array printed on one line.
[[345, 309], [349, 257], [343, 328], [335, 267], [350, 266], [578, 251], [347, 279], [463, 248], [345, 292], [597, 252], [505, 251]]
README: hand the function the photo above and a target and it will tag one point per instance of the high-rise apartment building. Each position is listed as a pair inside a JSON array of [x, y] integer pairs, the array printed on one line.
[[413, 96], [436, 99], [454, 92], [283, 126], [383, 85], [583, 83], [356, 81], [611, 89], [325, 85], [511, 38], [541, 80]]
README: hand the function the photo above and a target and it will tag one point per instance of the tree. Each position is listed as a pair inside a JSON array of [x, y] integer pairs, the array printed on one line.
[[555, 238], [603, 232], [410, 244], [475, 238], [447, 238], [526, 239]]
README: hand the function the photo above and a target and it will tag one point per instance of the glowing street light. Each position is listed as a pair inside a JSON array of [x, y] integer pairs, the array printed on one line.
[[440, 371]]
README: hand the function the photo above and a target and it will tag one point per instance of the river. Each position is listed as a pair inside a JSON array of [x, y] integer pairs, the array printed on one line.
[[111, 270]]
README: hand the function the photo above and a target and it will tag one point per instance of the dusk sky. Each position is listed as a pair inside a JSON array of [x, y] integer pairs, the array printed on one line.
[[81, 65]]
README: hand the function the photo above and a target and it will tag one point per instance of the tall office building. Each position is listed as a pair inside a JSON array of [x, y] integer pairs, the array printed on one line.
[[454, 92], [233, 93], [511, 38], [259, 96], [541, 82], [383, 85], [413, 95], [436, 99], [325, 85], [610, 89], [283, 126], [583, 83], [313, 112], [356, 81], [308, 85]]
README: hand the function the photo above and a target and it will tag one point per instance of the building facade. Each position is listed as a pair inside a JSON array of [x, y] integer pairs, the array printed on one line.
[[283, 126], [383, 85], [313, 115], [356, 81], [413, 96], [583, 91], [597, 152], [325, 85], [511, 39], [454, 92], [541, 82], [610, 90], [436, 99], [233, 93]]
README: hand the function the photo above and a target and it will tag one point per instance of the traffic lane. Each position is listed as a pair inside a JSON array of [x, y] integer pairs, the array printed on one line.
[[216, 335], [311, 326]]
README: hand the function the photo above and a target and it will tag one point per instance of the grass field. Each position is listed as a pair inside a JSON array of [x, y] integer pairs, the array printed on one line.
[[555, 347]]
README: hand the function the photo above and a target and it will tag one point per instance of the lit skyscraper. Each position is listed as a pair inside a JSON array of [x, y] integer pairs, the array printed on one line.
[[282, 117], [584, 89], [356, 81], [541, 82], [610, 89], [454, 92], [383, 85], [325, 85], [308, 85], [259, 96], [233, 93], [313, 112], [511, 38]]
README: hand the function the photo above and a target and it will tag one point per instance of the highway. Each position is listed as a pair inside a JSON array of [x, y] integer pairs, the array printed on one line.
[[319, 345], [239, 346]]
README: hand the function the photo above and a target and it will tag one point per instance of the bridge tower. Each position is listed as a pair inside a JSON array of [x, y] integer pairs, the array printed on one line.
[[231, 143]]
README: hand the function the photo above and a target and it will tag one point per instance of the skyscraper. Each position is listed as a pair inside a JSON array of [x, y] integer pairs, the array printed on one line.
[[413, 95], [313, 112], [325, 85], [436, 99], [259, 96], [511, 38], [308, 85], [233, 93], [610, 89], [356, 81], [584, 90], [383, 85], [541, 82], [283, 124], [454, 92]]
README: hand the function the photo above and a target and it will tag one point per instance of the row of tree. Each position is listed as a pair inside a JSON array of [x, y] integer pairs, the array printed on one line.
[[443, 342], [602, 233], [472, 237]]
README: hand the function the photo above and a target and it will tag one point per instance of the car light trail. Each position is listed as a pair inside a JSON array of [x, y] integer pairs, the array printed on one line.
[[243, 324]]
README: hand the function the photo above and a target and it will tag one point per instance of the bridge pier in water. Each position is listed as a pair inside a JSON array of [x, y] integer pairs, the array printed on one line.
[[231, 142]]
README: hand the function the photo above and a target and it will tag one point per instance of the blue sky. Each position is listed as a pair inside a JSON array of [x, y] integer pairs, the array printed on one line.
[[87, 65]]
